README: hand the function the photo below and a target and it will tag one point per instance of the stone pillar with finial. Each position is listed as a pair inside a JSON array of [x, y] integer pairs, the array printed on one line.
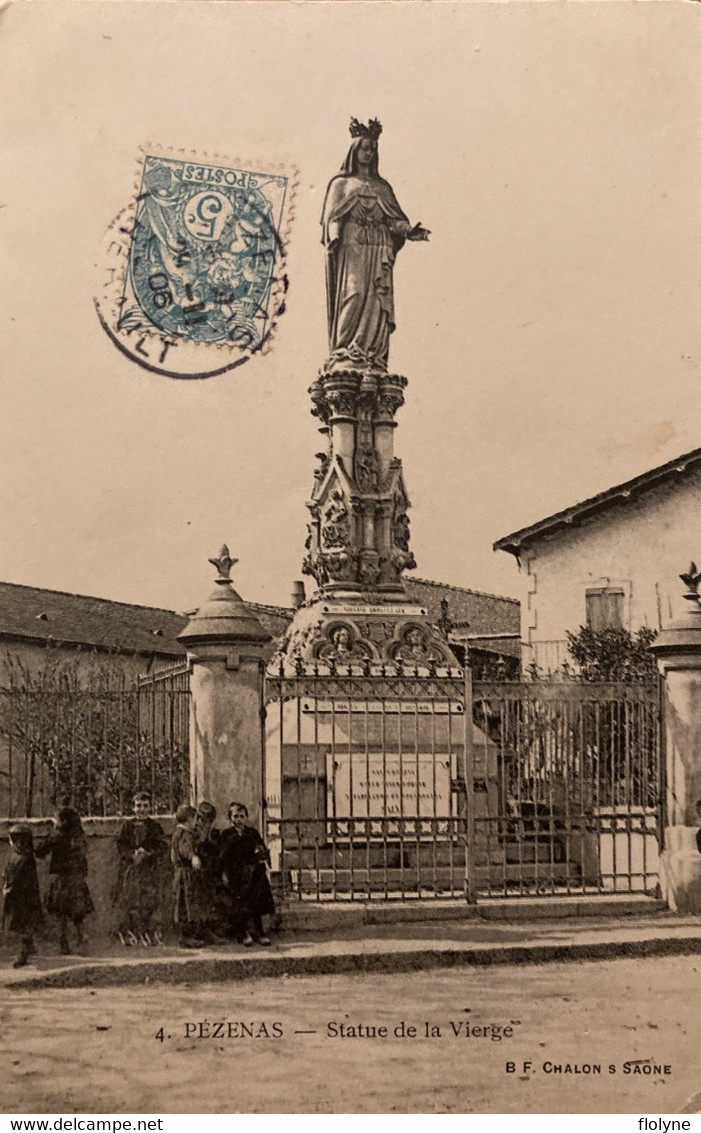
[[678, 652], [226, 649]]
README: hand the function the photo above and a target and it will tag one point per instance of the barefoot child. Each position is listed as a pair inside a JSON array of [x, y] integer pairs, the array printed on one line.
[[140, 847], [22, 908]]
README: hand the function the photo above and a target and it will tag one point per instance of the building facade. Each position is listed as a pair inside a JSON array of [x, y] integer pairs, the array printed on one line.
[[610, 561]]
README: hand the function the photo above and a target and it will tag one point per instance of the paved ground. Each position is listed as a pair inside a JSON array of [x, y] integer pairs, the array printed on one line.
[[97, 1050]]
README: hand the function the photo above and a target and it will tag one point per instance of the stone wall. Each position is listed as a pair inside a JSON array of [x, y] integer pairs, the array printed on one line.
[[36, 658]]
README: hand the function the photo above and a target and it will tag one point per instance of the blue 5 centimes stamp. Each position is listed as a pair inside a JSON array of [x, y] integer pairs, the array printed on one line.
[[194, 274]]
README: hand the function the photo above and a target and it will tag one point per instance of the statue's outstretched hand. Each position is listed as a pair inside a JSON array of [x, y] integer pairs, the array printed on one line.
[[418, 232]]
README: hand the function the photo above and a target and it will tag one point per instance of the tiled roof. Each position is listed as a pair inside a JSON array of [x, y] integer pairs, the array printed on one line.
[[612, 497], [52, 616], [273, 618], [509, 646], [471, 610]]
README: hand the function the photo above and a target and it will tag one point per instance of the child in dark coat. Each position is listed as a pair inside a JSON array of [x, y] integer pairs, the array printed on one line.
[[187, 897], [213, 896], [140, 847], [69, 897], [22, 906], [242, 862]]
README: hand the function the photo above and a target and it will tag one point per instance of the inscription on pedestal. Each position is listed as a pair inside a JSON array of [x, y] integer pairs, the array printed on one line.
[[397, 788], [389, 610]]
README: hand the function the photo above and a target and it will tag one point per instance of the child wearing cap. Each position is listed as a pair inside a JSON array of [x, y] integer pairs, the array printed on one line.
[[22, 905]]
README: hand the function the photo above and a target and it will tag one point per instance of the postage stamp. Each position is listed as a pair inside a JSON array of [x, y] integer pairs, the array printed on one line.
[[194, 269]]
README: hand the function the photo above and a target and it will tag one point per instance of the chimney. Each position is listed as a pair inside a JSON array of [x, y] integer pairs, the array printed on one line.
[[298, 595]]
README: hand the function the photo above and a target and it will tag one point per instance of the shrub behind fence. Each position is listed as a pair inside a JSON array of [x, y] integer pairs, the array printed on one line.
[[91, 740]]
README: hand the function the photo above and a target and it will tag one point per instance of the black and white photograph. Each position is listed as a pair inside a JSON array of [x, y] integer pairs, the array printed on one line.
[[350, 614]]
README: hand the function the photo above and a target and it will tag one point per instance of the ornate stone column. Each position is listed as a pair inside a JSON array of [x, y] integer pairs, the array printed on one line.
[[678, 652], [225, 645], [390, 398], [358, 538], [357, 545]]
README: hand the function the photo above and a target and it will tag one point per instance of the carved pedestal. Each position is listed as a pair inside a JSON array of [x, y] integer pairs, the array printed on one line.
[[367, 631], [358, 536]]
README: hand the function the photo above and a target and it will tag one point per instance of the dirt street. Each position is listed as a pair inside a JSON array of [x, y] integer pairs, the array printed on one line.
[[233, 1047]]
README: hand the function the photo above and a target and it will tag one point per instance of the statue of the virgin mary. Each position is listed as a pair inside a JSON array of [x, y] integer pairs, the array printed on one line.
[[363, 229]]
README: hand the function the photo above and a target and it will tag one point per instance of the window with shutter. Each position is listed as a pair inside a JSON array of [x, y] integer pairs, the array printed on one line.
[[604, 608]]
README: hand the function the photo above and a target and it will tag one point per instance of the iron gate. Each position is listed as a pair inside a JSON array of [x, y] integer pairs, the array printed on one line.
[[571, 800], [384, 787], [366, 784]]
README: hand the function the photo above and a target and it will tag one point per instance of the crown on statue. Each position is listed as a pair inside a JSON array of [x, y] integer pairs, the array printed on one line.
[[360, 130]]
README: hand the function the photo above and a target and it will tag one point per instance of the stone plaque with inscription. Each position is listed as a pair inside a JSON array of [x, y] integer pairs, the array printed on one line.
[[393, 787]]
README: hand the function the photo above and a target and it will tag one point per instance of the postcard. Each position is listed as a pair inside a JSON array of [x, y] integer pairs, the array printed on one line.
[[351, 472]]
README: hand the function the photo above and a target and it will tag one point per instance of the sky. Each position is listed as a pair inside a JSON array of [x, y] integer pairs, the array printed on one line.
[[549, 329]]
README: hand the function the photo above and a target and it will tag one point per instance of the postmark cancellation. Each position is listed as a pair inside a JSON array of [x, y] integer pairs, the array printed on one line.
[[193, 277]]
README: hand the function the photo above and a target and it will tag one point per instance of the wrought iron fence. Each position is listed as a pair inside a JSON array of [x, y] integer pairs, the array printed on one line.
[[370, 770], [162, 766], [379, 783], [387, 788], [91, 739], [571, 800]]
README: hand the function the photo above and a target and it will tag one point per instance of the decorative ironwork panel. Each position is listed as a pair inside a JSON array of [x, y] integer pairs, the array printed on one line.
[[382, 786], [366, 784], [571, 800]]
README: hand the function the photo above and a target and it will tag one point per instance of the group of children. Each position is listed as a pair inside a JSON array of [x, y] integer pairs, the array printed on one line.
[[221, 886], [220, 881]]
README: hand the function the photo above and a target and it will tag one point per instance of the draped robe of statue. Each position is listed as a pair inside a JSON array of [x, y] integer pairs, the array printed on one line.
[[363, 228]]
